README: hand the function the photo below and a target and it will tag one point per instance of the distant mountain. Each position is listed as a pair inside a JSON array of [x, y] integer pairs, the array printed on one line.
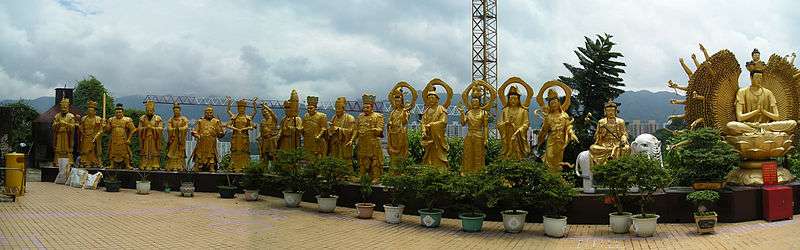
[[636, 105]]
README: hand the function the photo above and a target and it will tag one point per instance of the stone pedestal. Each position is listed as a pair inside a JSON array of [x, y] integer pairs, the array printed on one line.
[[749, 174]]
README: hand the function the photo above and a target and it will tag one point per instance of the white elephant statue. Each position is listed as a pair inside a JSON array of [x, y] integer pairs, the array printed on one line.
[[644, 144]]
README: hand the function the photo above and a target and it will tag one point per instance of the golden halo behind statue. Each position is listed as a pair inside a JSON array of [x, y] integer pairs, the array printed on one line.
[[501, 92], [479, 84], [397, 88], [437, 81], [555, 83]]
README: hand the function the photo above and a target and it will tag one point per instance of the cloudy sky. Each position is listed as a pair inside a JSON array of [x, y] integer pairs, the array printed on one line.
[[346, 47]]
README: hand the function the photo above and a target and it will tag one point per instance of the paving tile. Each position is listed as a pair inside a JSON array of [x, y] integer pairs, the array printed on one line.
[[54, 216]]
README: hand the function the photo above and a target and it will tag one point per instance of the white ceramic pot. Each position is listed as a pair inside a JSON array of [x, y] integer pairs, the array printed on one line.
[[620, 223], [142, 187], [555, 227], [292, 199], [644, 227], [327, 205], [393, 215], [514, 221], [251, 195], [187, 189]]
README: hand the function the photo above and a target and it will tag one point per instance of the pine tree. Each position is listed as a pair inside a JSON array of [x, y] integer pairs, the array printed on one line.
[[595, 81], [92, 89]]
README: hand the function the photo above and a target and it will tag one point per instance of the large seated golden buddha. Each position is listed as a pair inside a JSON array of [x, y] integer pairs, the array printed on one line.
[[758, 120]]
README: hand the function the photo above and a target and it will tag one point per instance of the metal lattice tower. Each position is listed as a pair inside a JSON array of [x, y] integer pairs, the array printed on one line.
[[484, 41]]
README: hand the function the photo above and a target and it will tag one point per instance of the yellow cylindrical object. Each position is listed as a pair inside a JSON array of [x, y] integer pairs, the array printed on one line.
[[15, 174]]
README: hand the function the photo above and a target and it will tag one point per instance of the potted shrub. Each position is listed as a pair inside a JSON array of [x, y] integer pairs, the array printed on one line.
[[227, 191], [513, 190], [289, 171], [554, 194], [430, 186], [252, 181], [649, 176], [469, 192], [701, 158], [398, 183], [704, 219], [111, 182], [143, 184], [364, 209], [187, 185], [616, 176], [328, 173]]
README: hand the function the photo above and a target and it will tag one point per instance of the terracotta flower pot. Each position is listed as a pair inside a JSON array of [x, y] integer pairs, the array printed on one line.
[[364, 210]]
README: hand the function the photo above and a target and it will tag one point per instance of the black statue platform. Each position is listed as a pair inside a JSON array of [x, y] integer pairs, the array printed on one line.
[[736, 204]]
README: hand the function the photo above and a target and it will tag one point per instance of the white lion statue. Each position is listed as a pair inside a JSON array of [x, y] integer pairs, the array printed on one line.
[[644, 144]]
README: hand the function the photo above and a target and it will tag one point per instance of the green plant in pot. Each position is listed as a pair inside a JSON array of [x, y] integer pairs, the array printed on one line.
[[701, 158], [365, 208], [328, 173], [469, 194], [398, 183], [650, 177], [290, 170], [227, 190], [513, 190], [554, 195], [252, 180], [143, 184], [616, 176], [111, 182], [431, 187], [704, 219]]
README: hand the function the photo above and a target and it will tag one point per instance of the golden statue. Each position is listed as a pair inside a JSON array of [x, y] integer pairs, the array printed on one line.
[[91, 127], [150, 129], [758, 120], [207, 130], [341, 131], [434, 123], [556, 129], [291, 125], [514, 120], [369, 130], [240, 124], [397, 141], [314, 126], [268, 133], [756, 108], [64, 124], [476, 118], [610, 137], [176, 136], [121, 129]]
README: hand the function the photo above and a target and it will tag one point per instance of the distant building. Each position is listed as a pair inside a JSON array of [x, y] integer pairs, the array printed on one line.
[[638, 127]]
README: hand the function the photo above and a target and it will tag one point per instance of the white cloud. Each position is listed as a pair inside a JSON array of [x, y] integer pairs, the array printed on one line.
[[335, 48]]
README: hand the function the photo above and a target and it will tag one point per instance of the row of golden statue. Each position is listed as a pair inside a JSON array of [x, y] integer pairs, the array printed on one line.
[[337, 137]]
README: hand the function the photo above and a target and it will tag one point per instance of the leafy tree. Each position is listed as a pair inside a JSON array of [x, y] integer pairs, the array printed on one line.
[[702, 155], [21, 123], [596, 81], [414, 145], [290, 171], [616, 175], [516, 179], [471, 192], [92, 89], [328, 173], [455, 153], [399, 182], [649, 176]]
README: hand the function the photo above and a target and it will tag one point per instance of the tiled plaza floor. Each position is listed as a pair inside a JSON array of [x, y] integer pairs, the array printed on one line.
[[55, 216]]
